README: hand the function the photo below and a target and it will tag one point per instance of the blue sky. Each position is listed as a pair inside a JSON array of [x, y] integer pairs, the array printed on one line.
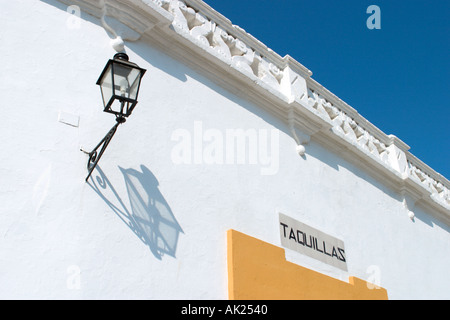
[[397, 77]]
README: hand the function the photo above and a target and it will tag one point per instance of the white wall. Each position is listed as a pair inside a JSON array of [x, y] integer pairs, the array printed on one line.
[[64, 238]]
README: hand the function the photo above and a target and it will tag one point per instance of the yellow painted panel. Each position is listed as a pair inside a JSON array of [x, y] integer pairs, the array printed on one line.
[[258, 270]]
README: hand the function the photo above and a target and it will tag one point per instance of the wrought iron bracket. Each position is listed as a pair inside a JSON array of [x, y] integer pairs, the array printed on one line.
[[95, 155]]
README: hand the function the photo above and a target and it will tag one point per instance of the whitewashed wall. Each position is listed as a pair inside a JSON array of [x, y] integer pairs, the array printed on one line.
[[63, 238]]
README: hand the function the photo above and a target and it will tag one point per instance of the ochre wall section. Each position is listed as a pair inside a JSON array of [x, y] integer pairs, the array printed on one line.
[[258, 270]]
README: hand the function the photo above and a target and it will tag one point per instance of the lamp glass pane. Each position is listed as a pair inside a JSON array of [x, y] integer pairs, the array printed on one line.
[[135, 79], [126, 81], [106, 86], [121, 83]]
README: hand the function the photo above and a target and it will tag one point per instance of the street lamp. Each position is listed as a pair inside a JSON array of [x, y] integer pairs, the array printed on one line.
[[119, 84]]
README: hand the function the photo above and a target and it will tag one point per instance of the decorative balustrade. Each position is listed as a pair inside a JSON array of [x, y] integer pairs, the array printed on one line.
[[220, 36], [428, 180], [347, 127]]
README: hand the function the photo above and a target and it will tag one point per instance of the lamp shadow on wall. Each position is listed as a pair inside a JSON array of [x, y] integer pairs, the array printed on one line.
[[150, 216]]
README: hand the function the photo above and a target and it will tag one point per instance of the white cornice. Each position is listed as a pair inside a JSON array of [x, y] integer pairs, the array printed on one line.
[[204, 39]]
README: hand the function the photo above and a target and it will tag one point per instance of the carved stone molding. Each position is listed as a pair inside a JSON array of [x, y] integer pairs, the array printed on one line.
[[125, 19]]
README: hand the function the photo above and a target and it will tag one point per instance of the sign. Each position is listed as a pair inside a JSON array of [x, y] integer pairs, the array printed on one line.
[[311, 242]]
